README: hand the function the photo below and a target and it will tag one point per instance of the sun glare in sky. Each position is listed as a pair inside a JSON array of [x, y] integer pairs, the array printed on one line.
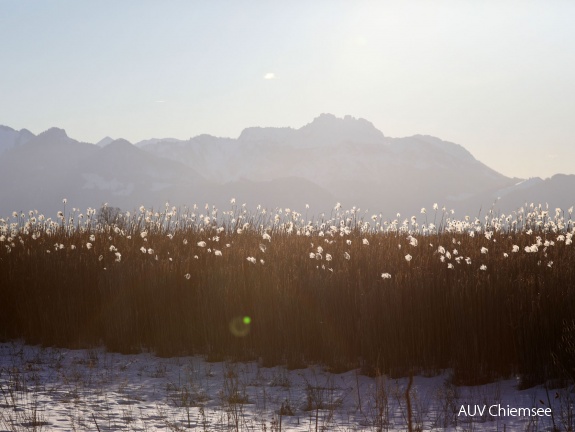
[[495, 77]]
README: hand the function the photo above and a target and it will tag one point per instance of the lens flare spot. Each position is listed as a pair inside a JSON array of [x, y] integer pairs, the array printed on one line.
[[240, 326]]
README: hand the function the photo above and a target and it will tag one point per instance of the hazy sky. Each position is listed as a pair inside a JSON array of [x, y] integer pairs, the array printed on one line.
[[494, 76]]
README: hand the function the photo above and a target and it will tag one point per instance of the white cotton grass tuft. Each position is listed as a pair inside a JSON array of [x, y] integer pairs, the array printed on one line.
[[408, 257], [386, 276]]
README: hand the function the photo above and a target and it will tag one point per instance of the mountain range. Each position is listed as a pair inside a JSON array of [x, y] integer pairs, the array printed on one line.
[[329, 160]]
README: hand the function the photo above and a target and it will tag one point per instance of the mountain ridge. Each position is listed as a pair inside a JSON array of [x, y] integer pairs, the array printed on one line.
[[345, 159]]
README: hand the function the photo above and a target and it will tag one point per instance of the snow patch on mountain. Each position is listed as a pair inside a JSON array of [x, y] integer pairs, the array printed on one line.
[[521, 185], [94, 181]]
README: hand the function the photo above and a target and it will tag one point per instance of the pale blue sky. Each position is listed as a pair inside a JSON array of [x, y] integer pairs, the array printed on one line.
[[493, 76]]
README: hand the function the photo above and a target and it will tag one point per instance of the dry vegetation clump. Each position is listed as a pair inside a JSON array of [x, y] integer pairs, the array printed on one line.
[[486, 297]]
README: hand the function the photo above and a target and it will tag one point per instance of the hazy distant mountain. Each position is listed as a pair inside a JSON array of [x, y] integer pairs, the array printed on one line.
[[553, 192], [105, 141], [10, 138], [330, 159], [348, 157], [38, 171], [53, 166]]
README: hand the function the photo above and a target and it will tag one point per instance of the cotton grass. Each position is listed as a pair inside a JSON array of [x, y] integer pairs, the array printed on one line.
[[345, 291]]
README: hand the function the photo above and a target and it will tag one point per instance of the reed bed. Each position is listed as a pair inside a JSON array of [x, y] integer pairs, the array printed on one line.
[[487, 297]]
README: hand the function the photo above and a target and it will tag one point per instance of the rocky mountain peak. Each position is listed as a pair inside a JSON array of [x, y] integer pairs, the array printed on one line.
[[348, 128], [54, 133]]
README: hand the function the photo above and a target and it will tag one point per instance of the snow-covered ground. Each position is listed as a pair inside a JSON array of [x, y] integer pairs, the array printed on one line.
[[76, 390]]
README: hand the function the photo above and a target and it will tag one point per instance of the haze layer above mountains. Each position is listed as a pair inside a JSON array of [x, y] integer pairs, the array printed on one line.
[[329, 160]]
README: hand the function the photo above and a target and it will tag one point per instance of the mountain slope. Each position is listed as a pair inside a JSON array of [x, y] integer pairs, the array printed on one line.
[[554, 192], [10, 138], [348, 157], [330, 159], [38, 171], [126, 176]]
